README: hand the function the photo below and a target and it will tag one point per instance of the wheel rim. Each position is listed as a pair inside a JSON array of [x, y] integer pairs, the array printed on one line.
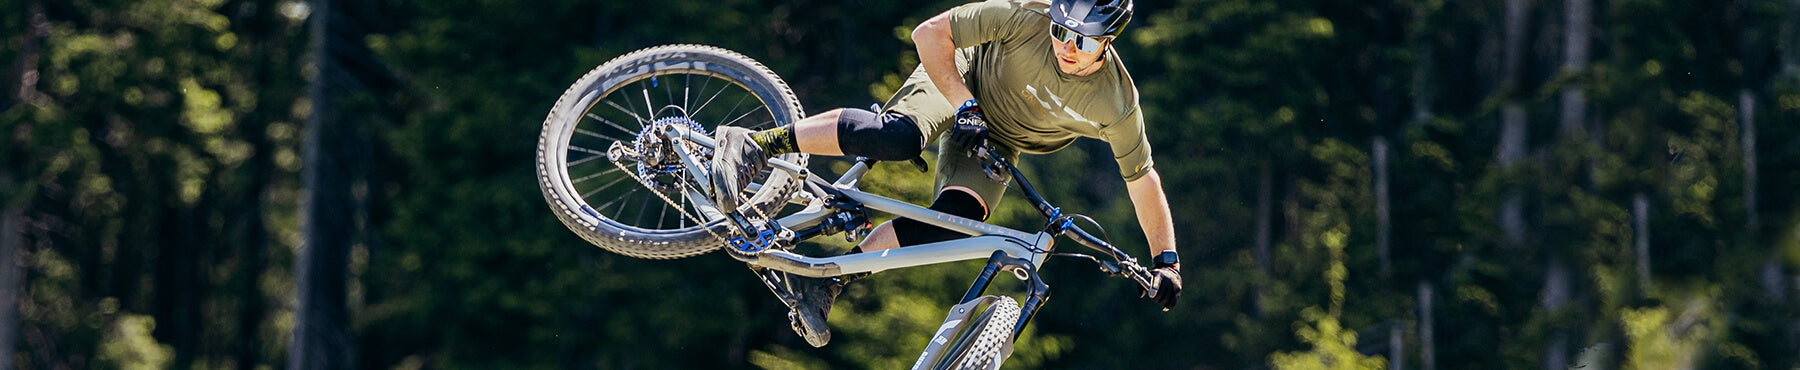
[[632, 114]]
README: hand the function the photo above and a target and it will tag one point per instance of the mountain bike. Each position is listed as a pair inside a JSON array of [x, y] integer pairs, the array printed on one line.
[[624, 157]]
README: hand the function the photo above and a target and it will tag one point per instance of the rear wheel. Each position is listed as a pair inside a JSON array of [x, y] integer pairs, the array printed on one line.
[[650, 205]]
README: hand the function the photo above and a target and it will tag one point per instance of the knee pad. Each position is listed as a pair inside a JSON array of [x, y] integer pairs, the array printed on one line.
[[911, 232], [886, 137]]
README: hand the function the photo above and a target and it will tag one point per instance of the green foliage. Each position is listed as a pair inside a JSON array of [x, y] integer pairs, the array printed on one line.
[[157, 157], [129, 345]]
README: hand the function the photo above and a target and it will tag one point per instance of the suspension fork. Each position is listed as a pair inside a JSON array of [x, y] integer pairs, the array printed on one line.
[[1035, 287]]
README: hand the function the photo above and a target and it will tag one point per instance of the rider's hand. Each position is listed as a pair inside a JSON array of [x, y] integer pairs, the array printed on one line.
[[1167, 279], [970, 131]]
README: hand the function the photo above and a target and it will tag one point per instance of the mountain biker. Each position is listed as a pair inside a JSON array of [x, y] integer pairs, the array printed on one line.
[[1023, 75]]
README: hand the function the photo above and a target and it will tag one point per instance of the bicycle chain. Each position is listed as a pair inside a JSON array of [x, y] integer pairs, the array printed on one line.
[[665, 198]]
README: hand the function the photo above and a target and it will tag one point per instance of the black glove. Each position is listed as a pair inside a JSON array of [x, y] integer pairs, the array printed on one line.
[[970, 130], [1167, 279]]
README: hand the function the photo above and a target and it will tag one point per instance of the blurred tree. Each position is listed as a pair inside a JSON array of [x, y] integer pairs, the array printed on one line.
[[126, 177]]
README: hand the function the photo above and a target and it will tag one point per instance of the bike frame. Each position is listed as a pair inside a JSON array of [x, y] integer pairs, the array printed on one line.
[[1018, 252], [985, 240]]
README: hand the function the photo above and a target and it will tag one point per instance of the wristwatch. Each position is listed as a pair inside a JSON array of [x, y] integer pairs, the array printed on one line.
[[1165, 259]]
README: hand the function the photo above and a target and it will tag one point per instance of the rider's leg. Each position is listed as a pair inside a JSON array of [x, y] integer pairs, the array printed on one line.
[[887, 136], [877, 135], [818, 134], [881, 238], [740, 152], [916, 112]]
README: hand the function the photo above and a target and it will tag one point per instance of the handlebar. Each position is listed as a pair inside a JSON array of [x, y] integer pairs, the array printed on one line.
[[1126, 266]]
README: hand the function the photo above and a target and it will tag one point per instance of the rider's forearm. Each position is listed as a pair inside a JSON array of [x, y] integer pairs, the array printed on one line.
[[937, 53], [1153, 212]]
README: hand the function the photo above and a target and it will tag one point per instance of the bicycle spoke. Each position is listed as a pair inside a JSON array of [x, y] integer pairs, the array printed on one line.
[[696, 112], [626, 200], [598, 174], [685, 83], [735, 106], [627, 96], [664, 215], [681, 222], [578, 162], [598, 135], [609, 123], [641, 120], [590, 194], [649, 108], [765, 124], [746, 114], [642, 206], [586, 150], [669, 92]]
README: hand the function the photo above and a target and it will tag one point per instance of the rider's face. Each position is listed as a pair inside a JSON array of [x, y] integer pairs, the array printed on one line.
[[1070, 56]]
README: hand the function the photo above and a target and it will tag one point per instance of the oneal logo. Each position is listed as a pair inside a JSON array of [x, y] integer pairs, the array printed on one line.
[[1071, 23]]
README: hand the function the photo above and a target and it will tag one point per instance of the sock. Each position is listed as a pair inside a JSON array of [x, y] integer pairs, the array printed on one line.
[[776, 141]]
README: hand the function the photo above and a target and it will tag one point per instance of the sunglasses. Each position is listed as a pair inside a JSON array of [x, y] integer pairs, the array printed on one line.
[[1086, 44]]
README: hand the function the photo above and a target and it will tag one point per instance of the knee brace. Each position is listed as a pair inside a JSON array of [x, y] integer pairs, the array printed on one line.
[[910, 232], [886, 137]]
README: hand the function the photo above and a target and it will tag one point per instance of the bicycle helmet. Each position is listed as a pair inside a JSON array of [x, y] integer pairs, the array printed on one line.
[[1092, 18]]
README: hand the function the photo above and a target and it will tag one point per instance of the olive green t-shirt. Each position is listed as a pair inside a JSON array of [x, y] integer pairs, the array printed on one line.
[[1010, 65]]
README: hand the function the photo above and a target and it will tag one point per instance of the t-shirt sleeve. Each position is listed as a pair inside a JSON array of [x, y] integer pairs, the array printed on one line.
[[988, 21], [1129, 146]]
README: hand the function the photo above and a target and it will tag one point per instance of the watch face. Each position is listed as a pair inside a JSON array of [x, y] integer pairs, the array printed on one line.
[[1167, 259]]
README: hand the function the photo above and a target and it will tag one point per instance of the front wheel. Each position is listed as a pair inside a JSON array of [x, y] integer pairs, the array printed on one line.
[[987, 341], [649, 204]]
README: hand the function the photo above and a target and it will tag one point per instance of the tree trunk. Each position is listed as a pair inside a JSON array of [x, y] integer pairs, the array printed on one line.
[[1265, 183], [1790, 41], [1512, 150], [1421, 114], [1383, 217], [179, 283], [20, 84], [321, 321], [1556, 295], [254, 243], [1640, 224], [1427, 328], [1747, 121], [12, 272], [1576, 20]]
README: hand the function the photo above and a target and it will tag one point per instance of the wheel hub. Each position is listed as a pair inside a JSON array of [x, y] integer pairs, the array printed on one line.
[[661, 166]]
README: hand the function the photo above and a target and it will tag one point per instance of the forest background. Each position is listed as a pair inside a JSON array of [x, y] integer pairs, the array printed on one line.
[[1379, 183]]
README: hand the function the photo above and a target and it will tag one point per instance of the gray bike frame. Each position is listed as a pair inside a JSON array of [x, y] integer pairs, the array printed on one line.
[[1005, 249], [984, 241]]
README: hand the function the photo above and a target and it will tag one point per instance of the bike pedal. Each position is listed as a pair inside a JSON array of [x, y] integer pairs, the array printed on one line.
[[794, 321]]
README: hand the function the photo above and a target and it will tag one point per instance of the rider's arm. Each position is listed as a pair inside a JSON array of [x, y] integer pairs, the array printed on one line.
[[937, 54], [964, 26], [1153, 211]]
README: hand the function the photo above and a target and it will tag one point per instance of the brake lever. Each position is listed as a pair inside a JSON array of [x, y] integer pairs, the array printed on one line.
[[1144, 279]]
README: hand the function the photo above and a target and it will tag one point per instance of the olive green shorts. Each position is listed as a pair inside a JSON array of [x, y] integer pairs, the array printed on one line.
[[920, 100]]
